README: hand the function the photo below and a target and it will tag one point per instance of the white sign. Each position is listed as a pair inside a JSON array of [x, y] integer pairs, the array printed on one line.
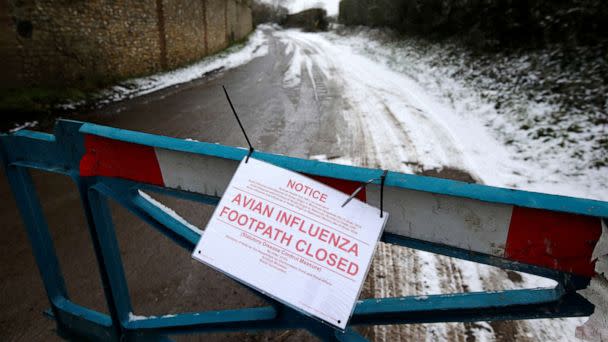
[[288, 236]]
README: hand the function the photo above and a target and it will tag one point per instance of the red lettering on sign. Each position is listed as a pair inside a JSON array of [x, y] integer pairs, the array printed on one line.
[[306, 190]]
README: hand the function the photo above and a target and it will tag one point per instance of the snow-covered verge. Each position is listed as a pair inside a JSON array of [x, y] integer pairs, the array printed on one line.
[[255, 46], [550, 114]]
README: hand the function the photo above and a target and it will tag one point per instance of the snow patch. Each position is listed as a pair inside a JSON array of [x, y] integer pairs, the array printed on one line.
[[133, 317], [28, 124], [171, 213], [334, 159], [596, 327], [292, 76]]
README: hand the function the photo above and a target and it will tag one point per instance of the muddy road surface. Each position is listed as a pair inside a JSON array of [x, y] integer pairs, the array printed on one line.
[[306, 98]]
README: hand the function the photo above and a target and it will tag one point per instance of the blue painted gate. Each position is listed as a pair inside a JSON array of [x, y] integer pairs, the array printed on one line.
[[64, 152]]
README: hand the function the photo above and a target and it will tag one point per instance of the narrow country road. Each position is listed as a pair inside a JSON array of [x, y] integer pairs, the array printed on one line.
[[309, 97]]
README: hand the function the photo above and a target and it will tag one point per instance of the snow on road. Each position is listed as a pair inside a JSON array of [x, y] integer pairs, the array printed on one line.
[[396, 122]]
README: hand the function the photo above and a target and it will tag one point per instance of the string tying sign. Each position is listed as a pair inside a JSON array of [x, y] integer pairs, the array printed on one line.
[[289, 236]]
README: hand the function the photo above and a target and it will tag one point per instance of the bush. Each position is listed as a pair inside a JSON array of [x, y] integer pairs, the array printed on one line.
[[268, 13], [488, 23]]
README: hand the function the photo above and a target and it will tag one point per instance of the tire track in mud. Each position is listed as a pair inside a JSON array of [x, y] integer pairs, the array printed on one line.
[[399, 271], [390, 271], [396, 271]]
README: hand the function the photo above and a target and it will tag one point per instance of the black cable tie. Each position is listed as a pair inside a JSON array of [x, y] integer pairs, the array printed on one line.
[[382, 179], [364, 184], [249, 154], [240, 124]]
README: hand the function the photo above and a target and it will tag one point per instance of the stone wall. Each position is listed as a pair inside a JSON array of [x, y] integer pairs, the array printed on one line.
[[184, 31], [244, 19], [59, 42], [8, 44], [240, 20], [216, 24]]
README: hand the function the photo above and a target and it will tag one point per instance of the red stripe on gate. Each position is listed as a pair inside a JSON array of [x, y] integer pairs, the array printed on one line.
[[345, 186], [113, 158], [555, 240]]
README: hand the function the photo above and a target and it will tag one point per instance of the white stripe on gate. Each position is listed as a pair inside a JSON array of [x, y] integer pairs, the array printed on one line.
[[195, 173], [460, 222], [539, 237]]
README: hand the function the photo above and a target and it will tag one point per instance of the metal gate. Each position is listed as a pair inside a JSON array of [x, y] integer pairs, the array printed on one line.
[[545, 235]]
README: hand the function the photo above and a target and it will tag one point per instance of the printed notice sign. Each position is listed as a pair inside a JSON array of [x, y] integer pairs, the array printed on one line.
[[288, 236]]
